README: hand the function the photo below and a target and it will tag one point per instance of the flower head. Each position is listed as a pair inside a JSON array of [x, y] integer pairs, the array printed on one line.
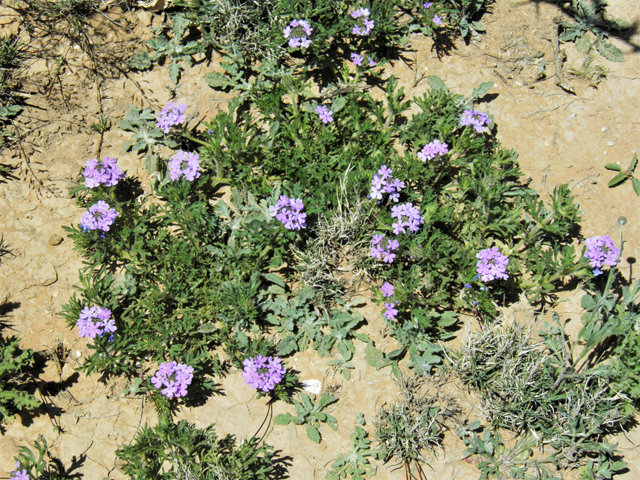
[[298, 33], [430, 150], [383, 252], [391, 311], [479, 120], [387, 289], [263, 373], [288, 211], [324, 113], [184, 164], [18, 474], [171, 115], [173, 379], [363, 24], [492, 264], [100, 216], [104, 172], [356, 59], [428, 5], [437, 20], [95, 321], [601, 251], [407, 216], [382, 182]]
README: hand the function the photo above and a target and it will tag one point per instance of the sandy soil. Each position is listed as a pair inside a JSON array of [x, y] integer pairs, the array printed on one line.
[[560, 138]]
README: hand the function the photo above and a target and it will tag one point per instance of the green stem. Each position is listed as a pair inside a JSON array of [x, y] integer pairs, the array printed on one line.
[[193, 139]]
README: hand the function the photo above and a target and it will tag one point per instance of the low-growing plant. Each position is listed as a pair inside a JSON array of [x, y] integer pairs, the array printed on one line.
[[357, 463], [42, 465], [627, 174], [310, 414], [172, 450]]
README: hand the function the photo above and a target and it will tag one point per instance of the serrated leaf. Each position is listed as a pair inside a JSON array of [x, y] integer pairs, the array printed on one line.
[[613, 166], [139, 61], [174, 72], [283, 419], [636, 185], [217, 80], [338, 104], [436, 83], [609, 51], [287, 346], [313, 433], [617, 180]]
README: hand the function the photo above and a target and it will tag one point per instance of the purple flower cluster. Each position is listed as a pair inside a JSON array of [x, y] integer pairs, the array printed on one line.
[[324, 113], [428, 5], [384, 253], [263, 373], [479, 120], [356, 58], [95, 321], [492, 264], [391, 311], [437, 20], [105, 172], [174, 377], [18, 474], [288, 211], [382, 182], [100, 216], [387, 289], [363, 25], [407, 216], [601, 251], [184, 164], [171, 115], [432, 149], [298, 33]]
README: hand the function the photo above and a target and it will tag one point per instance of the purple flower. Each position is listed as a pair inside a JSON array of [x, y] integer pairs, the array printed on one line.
[[184, 164], [382, 183], [386, 289], [263, 373], [428, 5], [174, 377], [100, 216], [601, 251], [407, 216], [288, 211], [372, 63], [171, 115], [356, 59], [492, 264], [384, 253], [479, 120], [18, 474], [105, 172], [324, 113], [437, 20], [432, 149], [391, 312], [94, 322], [298, 33], [363, 24]]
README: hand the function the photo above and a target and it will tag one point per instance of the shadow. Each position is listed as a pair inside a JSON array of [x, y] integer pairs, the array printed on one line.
[[487, 98], [596, 23], [280, 466]]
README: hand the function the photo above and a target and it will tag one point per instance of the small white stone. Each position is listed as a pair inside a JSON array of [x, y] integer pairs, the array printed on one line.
[[312, 386], [78, 354]]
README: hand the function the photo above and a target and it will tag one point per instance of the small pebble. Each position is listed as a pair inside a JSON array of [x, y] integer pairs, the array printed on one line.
[[55, 240]]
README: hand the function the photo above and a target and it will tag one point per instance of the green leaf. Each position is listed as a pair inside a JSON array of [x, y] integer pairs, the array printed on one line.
[[618, 179], [313, 433], [478, 27], [218, 80], [482, 89], [273, 278], [613, 166], [583, 44], [338, 103], [375, 357], [283, 419], [634, 163], [139, 61], [588, 303], [609, 51], [174, 72], [436, 83], [636, 185]]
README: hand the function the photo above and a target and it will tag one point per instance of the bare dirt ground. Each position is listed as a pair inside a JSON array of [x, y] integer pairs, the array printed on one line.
[[560, 138]]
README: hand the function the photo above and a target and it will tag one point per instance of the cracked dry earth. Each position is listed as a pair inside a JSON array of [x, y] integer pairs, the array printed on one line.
[[560, 138]]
